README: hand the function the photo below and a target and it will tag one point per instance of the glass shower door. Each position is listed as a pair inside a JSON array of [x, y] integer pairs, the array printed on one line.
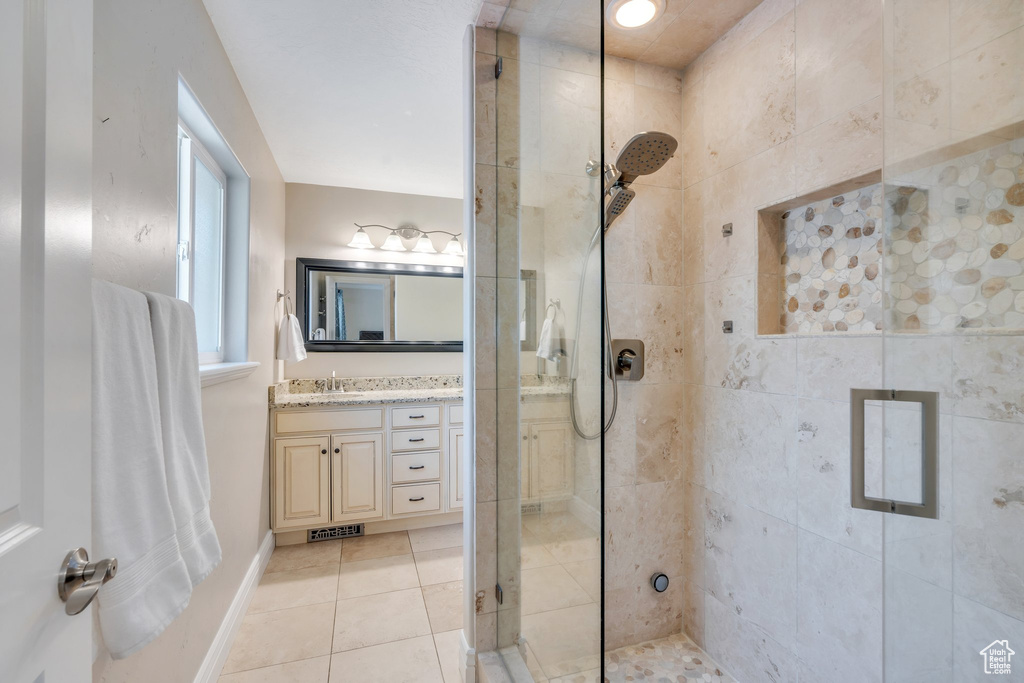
[[948, 425], [549, 267]]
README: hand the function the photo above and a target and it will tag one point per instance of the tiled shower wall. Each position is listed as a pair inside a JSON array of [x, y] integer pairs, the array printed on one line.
[[783, 580]]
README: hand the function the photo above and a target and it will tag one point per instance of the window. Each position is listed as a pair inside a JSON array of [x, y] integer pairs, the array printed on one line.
[[202, 190]]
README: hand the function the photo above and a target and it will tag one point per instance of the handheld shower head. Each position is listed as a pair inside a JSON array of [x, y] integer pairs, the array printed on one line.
[[644, 154], [619, 199]]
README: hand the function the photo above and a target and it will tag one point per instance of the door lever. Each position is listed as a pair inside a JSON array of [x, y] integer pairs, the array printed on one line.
[[80, 580]]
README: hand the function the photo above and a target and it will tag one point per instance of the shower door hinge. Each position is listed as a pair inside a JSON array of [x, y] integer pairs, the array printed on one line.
[[497, 68], [498, 593]]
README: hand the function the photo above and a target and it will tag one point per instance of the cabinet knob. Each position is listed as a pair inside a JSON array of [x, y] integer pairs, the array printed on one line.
[[323, 452], [337, 450]]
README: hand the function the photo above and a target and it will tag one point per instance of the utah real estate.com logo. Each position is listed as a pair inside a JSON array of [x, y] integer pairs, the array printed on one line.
[[997, 657]]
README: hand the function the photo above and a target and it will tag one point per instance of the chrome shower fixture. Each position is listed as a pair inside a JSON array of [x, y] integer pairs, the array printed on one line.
[[644, 154], [619, 198]]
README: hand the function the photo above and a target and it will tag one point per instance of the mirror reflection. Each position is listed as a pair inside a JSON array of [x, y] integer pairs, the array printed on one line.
[[354, 305]]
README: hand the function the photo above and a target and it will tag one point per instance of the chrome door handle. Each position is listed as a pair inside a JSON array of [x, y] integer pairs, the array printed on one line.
[[929, 505], [80, 580]]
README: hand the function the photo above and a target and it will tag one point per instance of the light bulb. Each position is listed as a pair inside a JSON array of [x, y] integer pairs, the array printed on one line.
[[393, 243], [361, 240], [635, 13], [424, 246], [454, 247]]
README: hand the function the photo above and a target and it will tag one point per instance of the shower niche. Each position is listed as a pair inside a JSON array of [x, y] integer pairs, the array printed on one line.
[[936, 249], [820, 261]]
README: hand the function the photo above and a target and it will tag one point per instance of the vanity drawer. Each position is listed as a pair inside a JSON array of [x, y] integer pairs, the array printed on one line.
[[329, 420], [429, 416], [415, 467], [416, 498], [455, 414], [416, 440]]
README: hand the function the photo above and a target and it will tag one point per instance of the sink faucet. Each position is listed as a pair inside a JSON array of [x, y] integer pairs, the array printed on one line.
[[334, 383]]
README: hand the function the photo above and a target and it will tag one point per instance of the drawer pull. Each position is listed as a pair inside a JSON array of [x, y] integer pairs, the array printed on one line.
[[415, 500], [416, 417], [416, 440], [416, 467]]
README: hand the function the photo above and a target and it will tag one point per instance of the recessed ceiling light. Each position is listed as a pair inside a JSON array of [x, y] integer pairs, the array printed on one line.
[[634, 13]]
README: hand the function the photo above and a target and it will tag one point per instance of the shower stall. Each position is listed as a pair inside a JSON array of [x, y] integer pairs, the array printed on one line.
[[749, 350]]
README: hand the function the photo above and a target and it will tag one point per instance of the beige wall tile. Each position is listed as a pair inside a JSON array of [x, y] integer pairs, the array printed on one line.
[[659, 235], [750, 106], [920, 37], [659, 432], [485, 221], [844, 147], [693, 434], [986, 85], [975, 23], [838, 57], [658, 77], [485, 334], [486, 114], [693, 234], [691, 146], [619, 124], [660, 326]]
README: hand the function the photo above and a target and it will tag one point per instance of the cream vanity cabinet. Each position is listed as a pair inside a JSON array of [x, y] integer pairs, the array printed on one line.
[[546, 454], [339, 465]]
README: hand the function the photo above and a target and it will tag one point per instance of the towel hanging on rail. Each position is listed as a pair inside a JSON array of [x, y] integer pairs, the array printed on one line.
[[290, 344]]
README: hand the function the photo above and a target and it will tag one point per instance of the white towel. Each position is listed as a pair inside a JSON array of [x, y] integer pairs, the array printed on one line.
[[549, 346], [290, 344], [181, 418], [132, 518]]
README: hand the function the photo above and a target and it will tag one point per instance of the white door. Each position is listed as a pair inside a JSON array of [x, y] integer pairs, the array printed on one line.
[[45, 246]]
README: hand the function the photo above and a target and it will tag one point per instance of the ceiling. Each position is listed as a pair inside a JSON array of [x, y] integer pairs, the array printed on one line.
[[680, 35], [368, 93], [363, 94]]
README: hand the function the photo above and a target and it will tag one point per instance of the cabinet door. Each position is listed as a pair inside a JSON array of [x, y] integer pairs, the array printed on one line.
[[551, 455], [357, 475], [456, 454], [301, 482]]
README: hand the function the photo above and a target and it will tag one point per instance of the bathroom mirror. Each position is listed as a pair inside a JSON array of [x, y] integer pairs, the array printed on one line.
[[372, 306]]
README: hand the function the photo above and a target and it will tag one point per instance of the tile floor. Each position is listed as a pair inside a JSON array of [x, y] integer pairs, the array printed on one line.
[[334, 611], [561, 594]]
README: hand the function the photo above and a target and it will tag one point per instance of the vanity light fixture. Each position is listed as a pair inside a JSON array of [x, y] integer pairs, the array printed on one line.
[[394, 241], [424, 246], [454, 247], [361, 240], [630, 14]]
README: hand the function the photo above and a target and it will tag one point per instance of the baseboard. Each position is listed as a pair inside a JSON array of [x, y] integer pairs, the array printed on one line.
[[209, 672], [586, 513], [467, 659]]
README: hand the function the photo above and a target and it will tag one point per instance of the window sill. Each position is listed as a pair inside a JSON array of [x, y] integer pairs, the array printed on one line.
[[225, 372]]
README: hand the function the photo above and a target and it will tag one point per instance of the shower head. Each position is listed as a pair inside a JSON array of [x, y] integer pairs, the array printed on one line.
[[644, 154], [619, 199]]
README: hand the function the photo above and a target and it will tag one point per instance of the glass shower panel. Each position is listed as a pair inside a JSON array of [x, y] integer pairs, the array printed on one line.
[[549, 121], [953, 175]]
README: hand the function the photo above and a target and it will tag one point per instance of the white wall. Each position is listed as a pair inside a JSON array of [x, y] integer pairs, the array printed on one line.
[[141, 46], [320, 225]]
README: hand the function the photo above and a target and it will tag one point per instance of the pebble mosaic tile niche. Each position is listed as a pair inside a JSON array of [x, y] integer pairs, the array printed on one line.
[[940, 249]]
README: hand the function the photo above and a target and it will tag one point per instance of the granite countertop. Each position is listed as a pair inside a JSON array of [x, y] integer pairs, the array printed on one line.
[[305, 393]]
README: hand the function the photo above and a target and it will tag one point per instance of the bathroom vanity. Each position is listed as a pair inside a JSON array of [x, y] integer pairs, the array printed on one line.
[[385, 450]]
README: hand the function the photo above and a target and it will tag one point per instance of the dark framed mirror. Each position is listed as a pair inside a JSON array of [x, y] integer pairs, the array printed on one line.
[[373, 306]]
